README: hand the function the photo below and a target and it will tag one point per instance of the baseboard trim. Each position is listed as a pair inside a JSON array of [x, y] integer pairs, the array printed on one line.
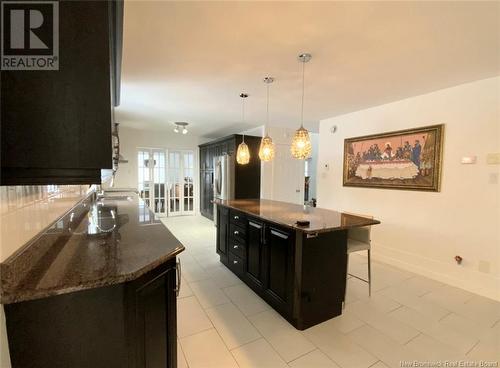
[[479, 283]]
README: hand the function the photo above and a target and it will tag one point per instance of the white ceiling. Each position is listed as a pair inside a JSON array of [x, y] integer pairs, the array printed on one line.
[[189, 61]]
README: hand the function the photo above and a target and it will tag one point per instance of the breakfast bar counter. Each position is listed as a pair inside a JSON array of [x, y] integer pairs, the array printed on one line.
[[300, 270]]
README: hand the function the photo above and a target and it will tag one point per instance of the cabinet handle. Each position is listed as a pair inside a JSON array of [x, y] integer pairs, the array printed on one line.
[[235, 247], [278, 234], [179, 274], [236, 217], [235, 262], [236, 232], [254, 225]]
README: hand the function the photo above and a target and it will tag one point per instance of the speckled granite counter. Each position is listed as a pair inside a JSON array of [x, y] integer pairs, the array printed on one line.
[[287, 214], [99, 243]]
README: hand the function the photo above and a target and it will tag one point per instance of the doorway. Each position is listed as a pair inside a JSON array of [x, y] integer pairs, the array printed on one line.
[[166, 185]]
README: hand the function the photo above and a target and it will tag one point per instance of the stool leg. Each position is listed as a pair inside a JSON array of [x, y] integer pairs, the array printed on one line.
[[346, 276], [369, 274]]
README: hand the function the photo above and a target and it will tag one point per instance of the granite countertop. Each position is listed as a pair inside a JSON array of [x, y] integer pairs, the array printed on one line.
[[98, 243], [287, 214]]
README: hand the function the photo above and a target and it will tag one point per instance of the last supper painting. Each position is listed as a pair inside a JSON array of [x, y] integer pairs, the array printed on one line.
[[406, 159]]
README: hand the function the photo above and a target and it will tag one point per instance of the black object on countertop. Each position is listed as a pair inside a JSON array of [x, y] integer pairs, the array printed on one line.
[[303, 223]]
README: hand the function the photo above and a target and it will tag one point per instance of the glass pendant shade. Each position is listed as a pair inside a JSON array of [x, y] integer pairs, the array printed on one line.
[[243, 154], [301, 144], [266, 150]]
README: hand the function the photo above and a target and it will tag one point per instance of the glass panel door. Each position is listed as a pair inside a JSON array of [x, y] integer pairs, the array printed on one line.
[[144, 175], [159, 168], [188, 168], [174, 184]]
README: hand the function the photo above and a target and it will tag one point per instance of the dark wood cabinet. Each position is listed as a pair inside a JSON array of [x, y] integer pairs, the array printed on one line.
[[278, 261], [246, 177], [132, 325], [56, 125], [155, 321], [222, 232], [302, 276], [255, 249]]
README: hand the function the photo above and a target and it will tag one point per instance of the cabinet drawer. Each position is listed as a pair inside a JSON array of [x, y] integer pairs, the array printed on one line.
[[237, 248], [238, 218], [236, 264], [237, 233]]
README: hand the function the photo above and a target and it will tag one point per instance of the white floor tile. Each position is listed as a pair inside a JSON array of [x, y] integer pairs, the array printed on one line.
[[444, 334], [258, 354], [434, 350], [181, 359], [192, 271], [379, 364], [246, 300], [339, 348], [285, 339], [314, 359], [185, 289], [402, 295], [207, 350], [390, 326], [223, 277], [191, 318], [481, 310], [234, 328], [384, 348], [448, 297], [344, 323], [208, 293]]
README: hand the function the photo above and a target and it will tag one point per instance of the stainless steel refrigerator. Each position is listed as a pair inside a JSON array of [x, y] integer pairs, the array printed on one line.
[[223, 179]]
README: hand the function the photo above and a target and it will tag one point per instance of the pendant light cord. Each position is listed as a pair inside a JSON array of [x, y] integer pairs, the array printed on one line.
[[243, 115], [303, 87], [267, 109]]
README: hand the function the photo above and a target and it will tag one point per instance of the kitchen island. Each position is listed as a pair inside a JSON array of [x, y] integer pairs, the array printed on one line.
[[299, 270], [95, 289]]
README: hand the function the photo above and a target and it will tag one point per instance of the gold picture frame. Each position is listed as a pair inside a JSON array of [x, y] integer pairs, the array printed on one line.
[[409, 159]]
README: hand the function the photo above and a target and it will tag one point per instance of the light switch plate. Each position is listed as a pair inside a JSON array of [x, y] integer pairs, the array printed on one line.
[[493, 158]]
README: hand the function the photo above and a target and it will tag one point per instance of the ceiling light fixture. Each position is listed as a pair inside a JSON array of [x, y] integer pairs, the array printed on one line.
[[301, 143], [243, 153], [266, 150], [181, 126]]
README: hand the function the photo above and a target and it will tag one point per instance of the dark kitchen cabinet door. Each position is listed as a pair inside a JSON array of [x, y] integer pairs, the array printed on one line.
[[279, 267], [56, 125], [222, 232], [156, 322], [255, 257], [203, 158]]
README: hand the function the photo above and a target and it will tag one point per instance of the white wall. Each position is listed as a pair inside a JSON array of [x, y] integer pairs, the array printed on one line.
[[282, 177], [132, 139], [423, 231]]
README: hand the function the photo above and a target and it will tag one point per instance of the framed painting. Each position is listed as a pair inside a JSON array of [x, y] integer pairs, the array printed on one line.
[[405, 159]]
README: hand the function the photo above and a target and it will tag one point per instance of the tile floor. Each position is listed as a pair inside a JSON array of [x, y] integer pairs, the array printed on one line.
[[222, 323]]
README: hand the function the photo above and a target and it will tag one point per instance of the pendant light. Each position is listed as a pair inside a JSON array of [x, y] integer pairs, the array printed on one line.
[[301, 143], [266, 150], [243, 154]]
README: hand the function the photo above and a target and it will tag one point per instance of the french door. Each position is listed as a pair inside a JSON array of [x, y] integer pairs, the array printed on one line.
[[180, 183], [166, 185]]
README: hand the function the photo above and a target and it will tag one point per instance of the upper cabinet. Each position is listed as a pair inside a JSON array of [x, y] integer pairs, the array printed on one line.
[[56, 125]]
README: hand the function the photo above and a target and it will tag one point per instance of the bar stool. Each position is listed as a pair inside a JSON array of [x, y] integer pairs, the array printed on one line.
[[359, 239]]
